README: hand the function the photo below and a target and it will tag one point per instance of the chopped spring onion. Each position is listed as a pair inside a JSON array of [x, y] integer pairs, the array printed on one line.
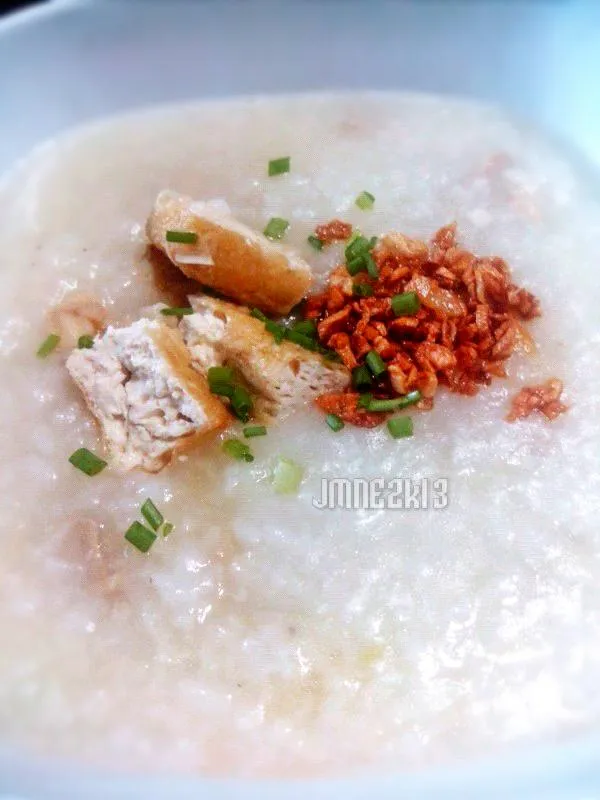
[[49, 344], [361, 378], [140, 536], [315, 242], [87, 462], [258, 314], [362, 289], [287, 476], [308, 327], [255, 430], [405, 304], [335, 423], [357, 245], [176, 312], [375, 364], [220, 374], [167, 529], [302, 339], [237, 449], [364, 400], [182, 237], [152, 515], [276, 228], [397, 402], [371, 266], [365, 201], [400, 427], [355, 265], [358, 256], [220, 381], [302, 333], [241, 403], [85, 342], [277, 166], [278, 331]]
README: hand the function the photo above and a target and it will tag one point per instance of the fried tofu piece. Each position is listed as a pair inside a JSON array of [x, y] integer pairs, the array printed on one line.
[[227, 255], [138, 383], [285, 375]]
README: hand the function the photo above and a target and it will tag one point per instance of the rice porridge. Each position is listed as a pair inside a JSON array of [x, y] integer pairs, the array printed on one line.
[[263, 626]]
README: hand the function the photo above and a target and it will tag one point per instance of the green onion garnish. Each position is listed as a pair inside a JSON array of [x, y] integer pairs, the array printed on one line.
[[276, 228], [308, 327], [358, 256], [278, 166], [258, 314], [255, 430], [357, 246], [85, 342], [397, 402], [400, 427], [220, 374], [300, 338], [362, 289], [355, 265], [167, 529], [375, 364], [182, 237], [237, 449], [315, 242], [49, 344], [152, 515], [365, 201], [335, 423], [220, 381], [405, 304], [364, 400], [371, 266], [241, 403], [278, 331], [87, 462], [287, 476], [140, 536], [176, 312], [361, 378], [302, 333]]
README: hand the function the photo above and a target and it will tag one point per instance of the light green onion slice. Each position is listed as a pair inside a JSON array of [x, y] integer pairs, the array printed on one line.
[[287, 476], [365, 201]]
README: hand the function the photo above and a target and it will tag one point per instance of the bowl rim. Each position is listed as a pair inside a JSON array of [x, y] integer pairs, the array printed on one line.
[[571, 767]]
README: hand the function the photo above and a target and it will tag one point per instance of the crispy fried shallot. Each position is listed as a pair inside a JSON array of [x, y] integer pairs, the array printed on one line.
[[468, 321], [544, 398], [334, 231]]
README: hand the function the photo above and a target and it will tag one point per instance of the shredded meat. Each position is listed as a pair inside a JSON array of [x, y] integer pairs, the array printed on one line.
[[334, 231], [544, 398], [469, 322]]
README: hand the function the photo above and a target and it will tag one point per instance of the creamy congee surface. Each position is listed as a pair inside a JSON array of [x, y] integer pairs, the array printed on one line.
[[266, 634]]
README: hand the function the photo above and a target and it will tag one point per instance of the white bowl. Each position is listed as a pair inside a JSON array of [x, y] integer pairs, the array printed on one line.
[[63, 63]]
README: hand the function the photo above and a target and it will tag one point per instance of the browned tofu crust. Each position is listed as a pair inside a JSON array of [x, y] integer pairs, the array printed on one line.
[[245, 265]]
